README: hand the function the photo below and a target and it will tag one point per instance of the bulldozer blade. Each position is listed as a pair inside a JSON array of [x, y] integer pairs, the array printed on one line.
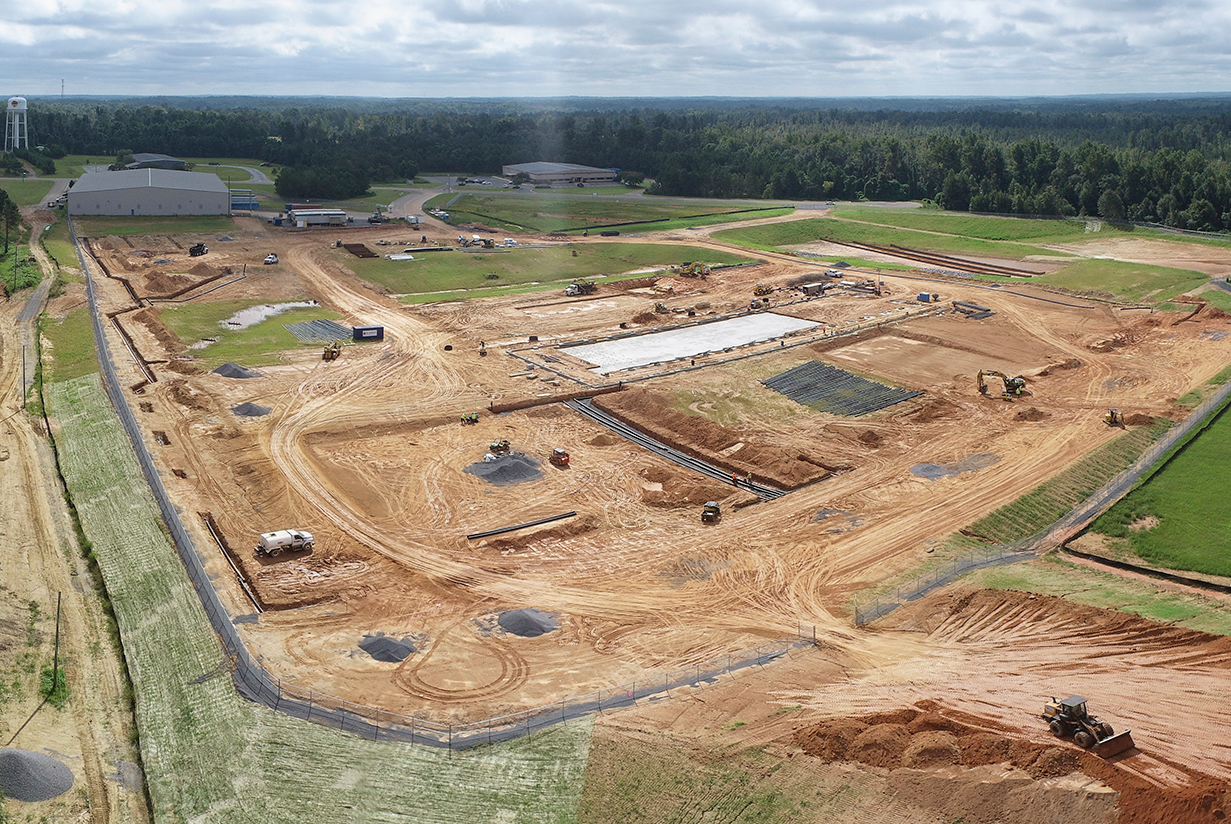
[[1115, 745]]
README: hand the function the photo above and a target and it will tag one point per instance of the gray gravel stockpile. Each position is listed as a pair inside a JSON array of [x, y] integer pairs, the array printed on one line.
[[507, 470], [234, 370], [250, 410], [32, 776], [387, 648], [528, 623]]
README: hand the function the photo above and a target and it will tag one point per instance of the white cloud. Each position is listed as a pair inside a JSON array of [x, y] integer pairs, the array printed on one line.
[[633, 47]]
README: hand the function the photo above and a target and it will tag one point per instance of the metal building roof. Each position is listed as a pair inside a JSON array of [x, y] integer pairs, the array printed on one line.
[[542, 167], [148, 179]]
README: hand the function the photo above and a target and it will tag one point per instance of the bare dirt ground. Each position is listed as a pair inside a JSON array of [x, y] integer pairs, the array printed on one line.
[[937, 717], [368, 454], [1210, 260], [41, 559]]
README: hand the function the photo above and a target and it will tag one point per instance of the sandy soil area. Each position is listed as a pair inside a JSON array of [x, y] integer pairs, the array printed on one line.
[[367, 453]]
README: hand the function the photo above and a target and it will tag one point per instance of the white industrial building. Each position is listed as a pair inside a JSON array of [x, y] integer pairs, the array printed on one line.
[[556, 174], [149, 192]]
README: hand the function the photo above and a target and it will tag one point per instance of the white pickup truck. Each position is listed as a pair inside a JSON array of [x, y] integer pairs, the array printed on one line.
[[273, 544]]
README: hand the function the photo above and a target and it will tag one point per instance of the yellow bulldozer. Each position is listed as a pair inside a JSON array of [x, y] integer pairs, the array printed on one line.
[[1013, 387], [1114, 417], [332, 351], [1070, 717]]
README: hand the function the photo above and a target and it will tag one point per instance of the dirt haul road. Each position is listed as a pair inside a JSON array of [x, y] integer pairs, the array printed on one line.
[[366, 452], [41, 559]]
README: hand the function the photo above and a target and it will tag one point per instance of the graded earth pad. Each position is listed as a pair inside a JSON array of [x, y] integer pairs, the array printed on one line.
[[673, 344], [32, 776]]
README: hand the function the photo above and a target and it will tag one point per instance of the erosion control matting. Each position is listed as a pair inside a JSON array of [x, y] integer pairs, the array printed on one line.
[[507, 470], [826, 388], [387, 648], [250, 410], [528, 623], [234, 370], [318, 331], [32, 776]]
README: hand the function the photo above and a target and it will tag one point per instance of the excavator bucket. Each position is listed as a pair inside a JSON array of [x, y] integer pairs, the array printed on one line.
[[1115, 745]]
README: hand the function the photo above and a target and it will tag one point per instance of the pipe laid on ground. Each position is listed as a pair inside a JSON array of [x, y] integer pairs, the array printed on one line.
[[504, 529]]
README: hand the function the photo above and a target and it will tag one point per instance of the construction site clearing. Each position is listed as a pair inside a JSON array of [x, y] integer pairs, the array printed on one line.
[[368, 452]]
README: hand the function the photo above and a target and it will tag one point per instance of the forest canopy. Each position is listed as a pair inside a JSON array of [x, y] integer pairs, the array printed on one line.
[[1151, 161]]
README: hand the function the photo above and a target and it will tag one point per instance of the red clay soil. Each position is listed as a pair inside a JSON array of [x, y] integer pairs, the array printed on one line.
[[926, 737], [1031, 414], [650, 412]]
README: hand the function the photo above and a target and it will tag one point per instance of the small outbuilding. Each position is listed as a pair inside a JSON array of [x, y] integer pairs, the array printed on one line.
[[149, 192], [152, 160], [367, 333]]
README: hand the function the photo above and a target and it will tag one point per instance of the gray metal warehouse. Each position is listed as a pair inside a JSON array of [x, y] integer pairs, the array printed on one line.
[[551, 174], [149, 192]]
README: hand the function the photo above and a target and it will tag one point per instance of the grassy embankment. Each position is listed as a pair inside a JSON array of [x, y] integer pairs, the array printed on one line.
[[557, 212], [1179, 518], [99, 226], [26, 192], [210, 756], [261, 344], [455, 275]]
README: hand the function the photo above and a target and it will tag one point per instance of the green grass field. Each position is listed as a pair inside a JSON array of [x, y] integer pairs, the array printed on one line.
[[26, 192], [74, 165], [100, 226], [59, 243], [976, 226], [556, 212], [213, 758], [71, 347], [1188, 499], [781, 236], [449, 271], [1133, 282], [259, 345]]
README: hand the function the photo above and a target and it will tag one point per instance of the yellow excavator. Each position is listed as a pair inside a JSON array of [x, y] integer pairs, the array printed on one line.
[[1013, 387], [1114, 417]]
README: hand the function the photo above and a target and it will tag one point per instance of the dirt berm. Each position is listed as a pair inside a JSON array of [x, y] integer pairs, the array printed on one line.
[[650, 412]]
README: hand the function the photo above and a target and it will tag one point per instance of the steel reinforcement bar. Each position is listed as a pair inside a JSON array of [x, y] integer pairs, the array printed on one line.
[[255, 683]]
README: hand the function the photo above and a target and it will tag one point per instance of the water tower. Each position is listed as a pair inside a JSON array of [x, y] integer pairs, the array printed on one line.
[[15, 130]]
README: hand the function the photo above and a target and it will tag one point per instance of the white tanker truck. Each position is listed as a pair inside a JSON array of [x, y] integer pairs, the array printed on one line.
[[273, 544]]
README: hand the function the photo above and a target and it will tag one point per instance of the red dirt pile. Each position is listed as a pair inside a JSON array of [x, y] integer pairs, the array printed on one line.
[[1138, 419], [1069, 363], [925, 738], [1031, 414], [732, 450], [934, 410]]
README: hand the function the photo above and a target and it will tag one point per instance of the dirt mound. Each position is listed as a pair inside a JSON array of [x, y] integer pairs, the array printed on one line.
[[1212, 313], [1031, 414], [832, 739], [527, 623], [183, 367], [202, 270], [387, 648], [870, 437], [234, 370], [604, 439], [934, 748], [735, 451], [159, 283], [881, 745], [184, 395], [1054, 762], [934, 410], [32, 776], [644, 318], [507, 470], [986, 748], [1138, 419], [671, 486], [1070, 363], [250, 410]]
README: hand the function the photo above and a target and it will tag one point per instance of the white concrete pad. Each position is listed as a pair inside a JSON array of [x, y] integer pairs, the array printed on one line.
[[656, 347]]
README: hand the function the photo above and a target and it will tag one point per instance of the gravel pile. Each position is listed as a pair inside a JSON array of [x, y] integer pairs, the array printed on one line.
[[387, 648], [234, 370], [507, 470], [32, 776], [250, 410], [528, 623]]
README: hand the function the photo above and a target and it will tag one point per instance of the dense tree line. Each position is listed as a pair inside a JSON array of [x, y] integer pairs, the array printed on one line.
[[1150, 161]]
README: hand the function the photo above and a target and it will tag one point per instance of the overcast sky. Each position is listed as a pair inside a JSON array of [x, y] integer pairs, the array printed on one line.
[[536, 48]]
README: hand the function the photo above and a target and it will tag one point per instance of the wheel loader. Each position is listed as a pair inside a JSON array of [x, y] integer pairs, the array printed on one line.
[[1013, 387], [1070, 717], [332, 351], [711, 513]]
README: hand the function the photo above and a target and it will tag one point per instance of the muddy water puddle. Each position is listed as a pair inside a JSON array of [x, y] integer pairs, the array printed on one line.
[[255, 314], [934, 472]]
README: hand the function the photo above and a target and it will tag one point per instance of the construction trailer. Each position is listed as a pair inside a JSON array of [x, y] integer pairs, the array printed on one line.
[[302, 218], [814, 289], [367, 333]]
